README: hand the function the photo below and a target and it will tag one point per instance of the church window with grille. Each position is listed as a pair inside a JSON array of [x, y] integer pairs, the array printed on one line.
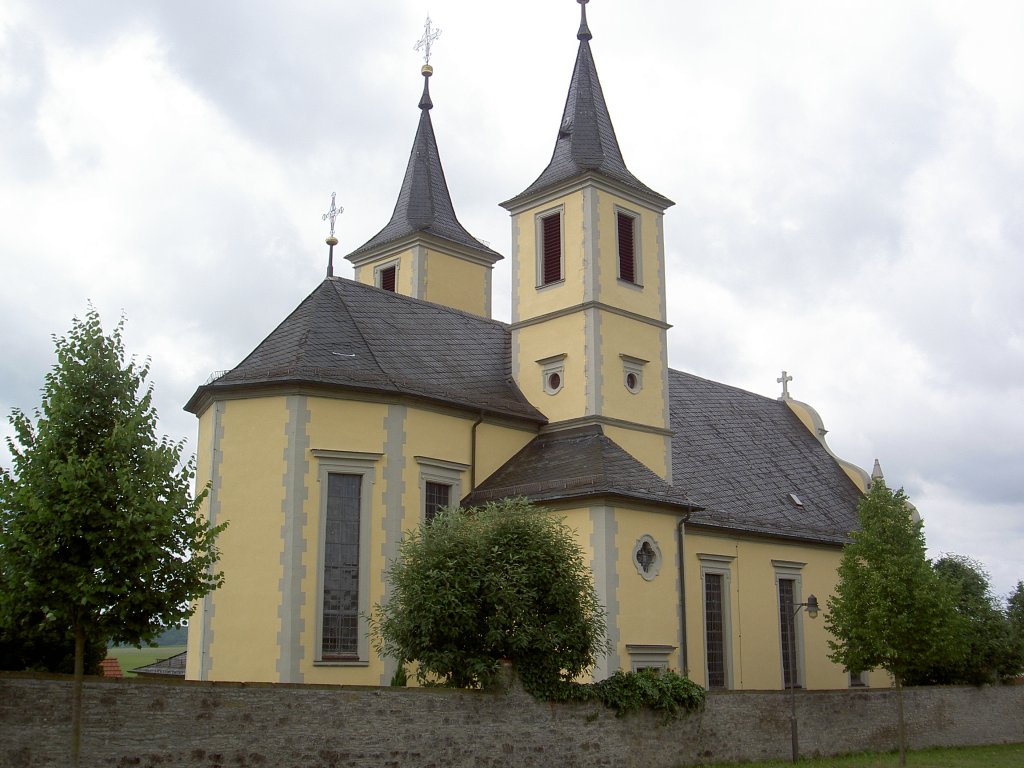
[[340, 637], [714, 629], [437, 496], [787, 626]]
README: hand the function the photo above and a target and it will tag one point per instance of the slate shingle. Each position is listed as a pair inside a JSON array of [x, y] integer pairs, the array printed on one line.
[[424, 203], [739, 455], [575, 464], [350, 335], [586, 140]]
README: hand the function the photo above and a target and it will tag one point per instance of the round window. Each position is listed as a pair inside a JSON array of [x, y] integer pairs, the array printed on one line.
[[632, 382], [554, 381]]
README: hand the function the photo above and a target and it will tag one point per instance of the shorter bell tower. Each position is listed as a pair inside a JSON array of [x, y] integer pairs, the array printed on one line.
[[424, 251]]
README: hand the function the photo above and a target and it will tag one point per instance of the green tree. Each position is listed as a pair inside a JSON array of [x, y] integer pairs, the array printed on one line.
[[101, 535], [29, 642], [1015, 618], [990, 654], [475, 586], [890, 610]]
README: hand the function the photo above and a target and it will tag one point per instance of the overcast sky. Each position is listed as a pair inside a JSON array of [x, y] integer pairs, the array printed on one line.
[[848, 179]]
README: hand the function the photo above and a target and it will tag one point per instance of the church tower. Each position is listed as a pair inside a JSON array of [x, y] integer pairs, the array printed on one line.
[[424, 251], [588, 283]]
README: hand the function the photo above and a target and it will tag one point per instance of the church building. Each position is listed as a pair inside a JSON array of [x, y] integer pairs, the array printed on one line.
[[708, 514]]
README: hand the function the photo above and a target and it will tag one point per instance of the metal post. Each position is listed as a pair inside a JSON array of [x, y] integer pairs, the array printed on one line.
[[792, 681], [812, 610]]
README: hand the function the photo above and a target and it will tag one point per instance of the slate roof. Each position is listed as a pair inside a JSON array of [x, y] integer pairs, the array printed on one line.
[[575, 464], [424, 204], [739, 455], [346, 334], [586, 140], [173, 666]]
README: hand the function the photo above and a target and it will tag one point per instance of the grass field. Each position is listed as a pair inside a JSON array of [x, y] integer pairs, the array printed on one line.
[[998, 756], [130, 658]]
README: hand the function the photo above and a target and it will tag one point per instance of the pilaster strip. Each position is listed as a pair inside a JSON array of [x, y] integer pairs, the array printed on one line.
[[606, 582], [208, 605], [592, 356], [419, 272], [516, 272], [392, 495], [293, 527], [591, 246]]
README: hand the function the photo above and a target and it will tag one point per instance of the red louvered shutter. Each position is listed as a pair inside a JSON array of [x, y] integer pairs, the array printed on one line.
[[387, 279], [552, 243], [627, 248]]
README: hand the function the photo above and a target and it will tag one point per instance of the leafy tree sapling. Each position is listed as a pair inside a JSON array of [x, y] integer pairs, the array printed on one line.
[[100, 533], [890, 610], [475, 586]]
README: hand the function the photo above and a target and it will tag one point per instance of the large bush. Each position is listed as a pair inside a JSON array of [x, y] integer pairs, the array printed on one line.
[[475, 586]]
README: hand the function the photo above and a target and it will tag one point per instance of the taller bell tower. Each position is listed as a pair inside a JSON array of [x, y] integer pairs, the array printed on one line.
[[588, 282]]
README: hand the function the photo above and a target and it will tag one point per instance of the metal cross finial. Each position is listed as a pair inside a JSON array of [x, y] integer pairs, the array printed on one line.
[[333, 213], [429, 36], [784, 381]]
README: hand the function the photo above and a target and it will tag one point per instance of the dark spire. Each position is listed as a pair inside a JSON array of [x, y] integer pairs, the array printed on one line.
[[424, 203], [586, 140]]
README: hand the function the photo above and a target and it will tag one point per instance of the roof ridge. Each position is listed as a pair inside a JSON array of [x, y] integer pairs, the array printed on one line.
[[362, 337], [723, 384]]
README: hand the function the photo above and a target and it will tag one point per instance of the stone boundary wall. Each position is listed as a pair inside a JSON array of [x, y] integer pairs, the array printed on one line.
[[138, 722]]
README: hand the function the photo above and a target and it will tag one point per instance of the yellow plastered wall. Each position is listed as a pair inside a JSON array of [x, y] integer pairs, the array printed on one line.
[[456, 283], [561, 335], [623, 336], [438, 436], [364, 273], [534, 301], [648, 609], [495, 446], [340, 425], [343, 425], [753, 622], [250, 495], [649, 449], [579, 522], [643, 299]]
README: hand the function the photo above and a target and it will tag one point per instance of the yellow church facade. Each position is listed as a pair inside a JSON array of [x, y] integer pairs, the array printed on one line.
[[708, 514]]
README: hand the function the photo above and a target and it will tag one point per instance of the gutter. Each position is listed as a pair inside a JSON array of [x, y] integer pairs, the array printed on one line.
[[684, 656], [472, 452]]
